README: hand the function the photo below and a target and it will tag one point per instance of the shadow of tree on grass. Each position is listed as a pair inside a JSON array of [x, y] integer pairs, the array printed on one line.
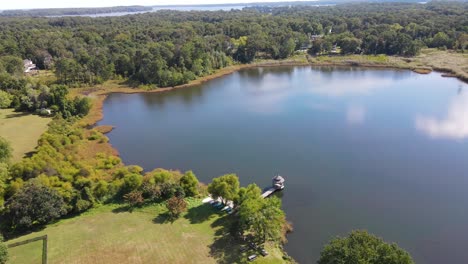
[[201, 213], [164, 218], [225, 249], [122, 209]]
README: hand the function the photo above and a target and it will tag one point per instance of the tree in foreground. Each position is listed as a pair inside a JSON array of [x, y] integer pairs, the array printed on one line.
[[3, 251], [362, 247], [262, 218], [176, 206], [34, 204]]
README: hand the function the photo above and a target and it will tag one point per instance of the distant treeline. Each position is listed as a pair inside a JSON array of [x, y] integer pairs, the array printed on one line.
[[73, 11]]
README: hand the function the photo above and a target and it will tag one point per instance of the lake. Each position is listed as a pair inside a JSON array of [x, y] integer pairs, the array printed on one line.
[[382, 150]]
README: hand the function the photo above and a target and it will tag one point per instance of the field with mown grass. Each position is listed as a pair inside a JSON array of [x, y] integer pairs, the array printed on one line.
[[112, 234], [22, 130]]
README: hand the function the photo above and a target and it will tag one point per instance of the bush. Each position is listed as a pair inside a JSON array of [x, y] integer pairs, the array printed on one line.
[[3, 251], [176, 206], [134, 198], [5, 150]]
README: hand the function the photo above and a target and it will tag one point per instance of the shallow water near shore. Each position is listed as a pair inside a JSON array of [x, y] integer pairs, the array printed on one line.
[[382, 150]]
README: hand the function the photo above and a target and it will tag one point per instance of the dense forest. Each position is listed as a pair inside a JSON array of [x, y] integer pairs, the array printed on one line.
[[168, 48], [73, 11]]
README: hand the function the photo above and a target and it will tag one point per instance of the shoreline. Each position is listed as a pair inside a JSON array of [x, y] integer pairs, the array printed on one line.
[[98, 94]]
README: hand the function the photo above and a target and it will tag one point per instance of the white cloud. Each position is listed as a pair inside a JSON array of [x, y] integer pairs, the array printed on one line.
[[356, 114], [454, 125]]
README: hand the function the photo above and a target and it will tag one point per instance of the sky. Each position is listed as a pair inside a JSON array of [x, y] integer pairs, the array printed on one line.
[[29, 4]]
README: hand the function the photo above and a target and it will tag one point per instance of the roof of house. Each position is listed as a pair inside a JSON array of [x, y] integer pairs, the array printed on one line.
[[278, 178]]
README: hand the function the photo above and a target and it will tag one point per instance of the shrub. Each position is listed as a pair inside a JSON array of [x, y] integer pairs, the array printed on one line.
[[134, 198], [3, 251], [176, 206]]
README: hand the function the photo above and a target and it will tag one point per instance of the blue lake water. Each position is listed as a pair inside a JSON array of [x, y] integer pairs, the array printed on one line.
[[382, 150]]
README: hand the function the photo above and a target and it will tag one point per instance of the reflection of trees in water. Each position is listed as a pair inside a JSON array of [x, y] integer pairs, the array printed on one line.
[[258, 73], [356, 72], [188, 96]]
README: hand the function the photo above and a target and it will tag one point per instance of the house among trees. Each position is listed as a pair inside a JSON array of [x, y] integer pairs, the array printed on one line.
[[315, 37], [29, 66]]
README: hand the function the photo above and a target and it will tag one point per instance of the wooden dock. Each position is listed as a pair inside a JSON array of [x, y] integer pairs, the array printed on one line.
[[268, 192]]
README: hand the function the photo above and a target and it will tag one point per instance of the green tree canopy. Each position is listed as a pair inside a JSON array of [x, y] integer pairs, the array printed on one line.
[[262, 218], [361, 247], [226, 186], [34, 204], [3, 182], [189, 183], [350, 45], [5, 150], [13, 65], [3, 251], [5, 99]]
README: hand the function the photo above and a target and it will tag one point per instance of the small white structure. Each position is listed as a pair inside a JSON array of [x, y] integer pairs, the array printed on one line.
[[29, 66], [278, 185], [278, 182]]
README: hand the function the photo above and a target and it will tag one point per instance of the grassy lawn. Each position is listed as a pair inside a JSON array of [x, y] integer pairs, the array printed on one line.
[[110, 234], [21, 130]]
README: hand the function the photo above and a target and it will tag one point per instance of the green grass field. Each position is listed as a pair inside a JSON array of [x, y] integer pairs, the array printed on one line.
[[21, 130], [109, 234]]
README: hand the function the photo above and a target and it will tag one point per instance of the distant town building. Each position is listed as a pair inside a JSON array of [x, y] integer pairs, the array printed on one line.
[[315, 37], [29, 66]]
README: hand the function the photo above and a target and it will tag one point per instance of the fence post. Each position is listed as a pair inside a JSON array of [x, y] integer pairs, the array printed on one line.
[[44, 250]]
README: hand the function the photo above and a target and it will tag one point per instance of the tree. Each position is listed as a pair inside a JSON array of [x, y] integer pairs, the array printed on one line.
[[34, 204], [5, 150], [176, 206], [287, 48], [5, 99], [13, 65], [189, 183], [317, 47], [262, 218], [3, 182], [81, 106], [252, 191], [362, 247], [3, 251], [350, 45], [441, 40], [226, 187], [134, 198]]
